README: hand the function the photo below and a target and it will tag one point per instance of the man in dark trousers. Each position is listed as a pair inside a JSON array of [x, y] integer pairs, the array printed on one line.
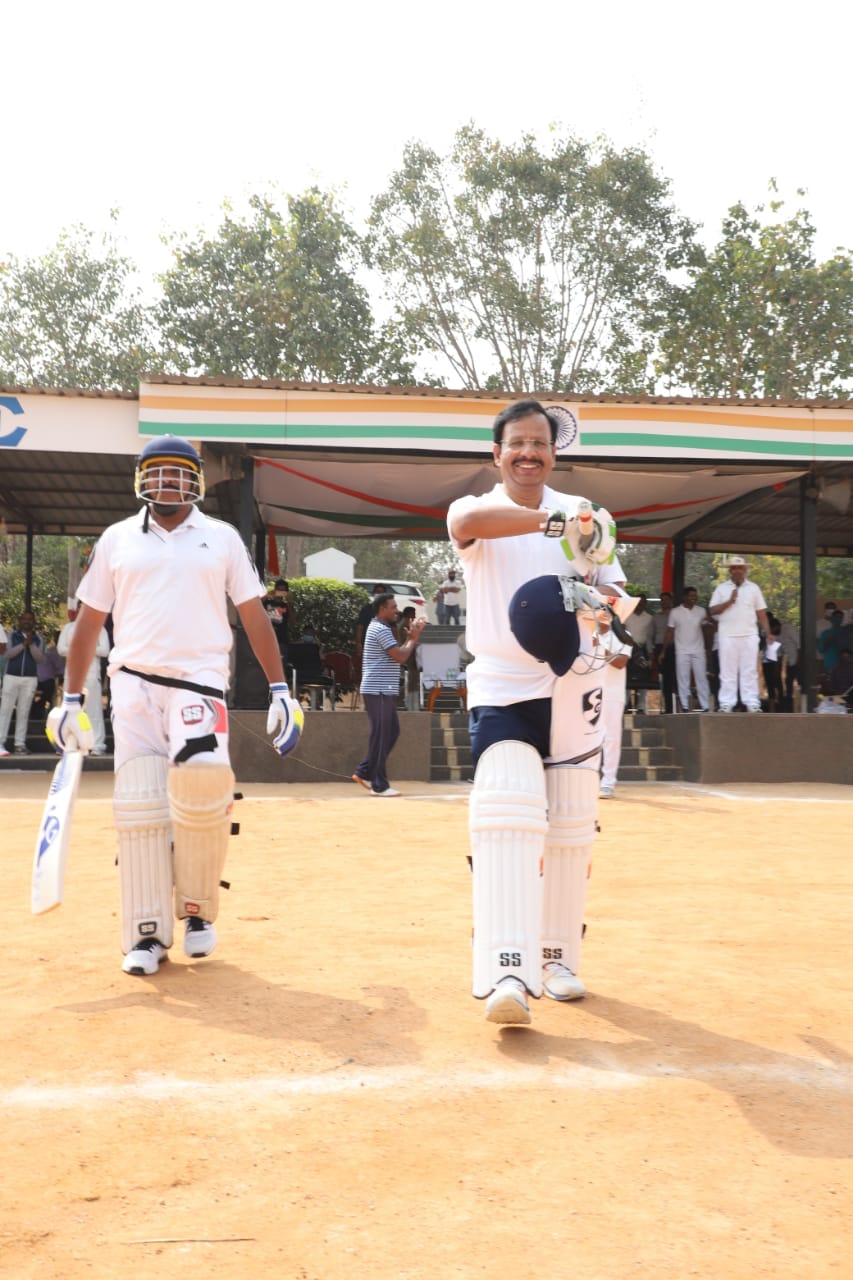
[[380, 688]]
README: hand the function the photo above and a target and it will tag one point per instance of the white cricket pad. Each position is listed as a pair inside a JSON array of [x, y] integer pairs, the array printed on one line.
[[201, 798], [572, 810], [141, 812], [507, 823]]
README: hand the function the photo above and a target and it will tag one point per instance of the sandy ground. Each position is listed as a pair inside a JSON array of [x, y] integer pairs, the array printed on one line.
[[323, 1099]]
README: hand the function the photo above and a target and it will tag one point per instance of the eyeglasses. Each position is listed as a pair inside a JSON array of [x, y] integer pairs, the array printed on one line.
[[538, 446]]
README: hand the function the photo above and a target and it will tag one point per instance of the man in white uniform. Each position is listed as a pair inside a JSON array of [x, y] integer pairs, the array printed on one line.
[[94, 690], [613, 691], [532, 826], [165, 574], [735, 605], [686, 630]]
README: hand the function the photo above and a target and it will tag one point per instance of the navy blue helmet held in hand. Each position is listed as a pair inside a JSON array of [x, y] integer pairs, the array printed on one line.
[[543, 624]]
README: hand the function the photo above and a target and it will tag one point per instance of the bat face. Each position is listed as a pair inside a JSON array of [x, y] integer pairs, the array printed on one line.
[[54, 833]]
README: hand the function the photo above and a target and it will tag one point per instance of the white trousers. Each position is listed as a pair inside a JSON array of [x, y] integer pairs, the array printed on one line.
[[695, 665], [739, 667], [95, 704], [17, 696], [613, 716]]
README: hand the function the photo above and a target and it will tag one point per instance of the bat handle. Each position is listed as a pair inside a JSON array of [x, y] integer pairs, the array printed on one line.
[[586, 524]]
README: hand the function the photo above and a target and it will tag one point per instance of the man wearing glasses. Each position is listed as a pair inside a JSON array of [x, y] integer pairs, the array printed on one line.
[[532, 824]]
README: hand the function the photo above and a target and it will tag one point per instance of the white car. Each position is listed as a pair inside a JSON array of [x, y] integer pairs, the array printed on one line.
[[405, 593]]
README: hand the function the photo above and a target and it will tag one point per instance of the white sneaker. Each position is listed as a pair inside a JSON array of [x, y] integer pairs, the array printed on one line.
[[3, 752], [387, 793], [362, 782], [605, 793], [560, 983], [145, 958], [508, 1004], [200, 937]]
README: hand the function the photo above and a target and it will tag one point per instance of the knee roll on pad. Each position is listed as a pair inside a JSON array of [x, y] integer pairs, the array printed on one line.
[[572, 808], [141, 813], [507, 821], [200, 798]]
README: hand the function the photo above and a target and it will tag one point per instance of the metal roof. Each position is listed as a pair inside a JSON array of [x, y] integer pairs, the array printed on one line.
[[62, 493]]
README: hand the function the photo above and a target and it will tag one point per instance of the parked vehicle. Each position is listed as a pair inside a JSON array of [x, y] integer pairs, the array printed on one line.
[[405, 593]]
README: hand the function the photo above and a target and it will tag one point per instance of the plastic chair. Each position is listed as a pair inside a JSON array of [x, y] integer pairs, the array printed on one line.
[[310, 676], [342, 669]]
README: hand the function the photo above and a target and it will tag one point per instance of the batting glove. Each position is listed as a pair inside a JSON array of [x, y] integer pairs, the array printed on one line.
[[285, 719], [68, 727]]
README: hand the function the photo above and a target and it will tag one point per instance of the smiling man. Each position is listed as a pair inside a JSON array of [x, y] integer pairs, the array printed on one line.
[[525, 814]]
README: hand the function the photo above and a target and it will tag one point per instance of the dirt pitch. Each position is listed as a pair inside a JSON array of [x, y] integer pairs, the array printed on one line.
[[322, 1098]]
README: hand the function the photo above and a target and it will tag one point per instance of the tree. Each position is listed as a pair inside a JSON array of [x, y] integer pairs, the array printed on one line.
[[276, 297], [73, 318], [760, 316], [528, 269], [50, 579]]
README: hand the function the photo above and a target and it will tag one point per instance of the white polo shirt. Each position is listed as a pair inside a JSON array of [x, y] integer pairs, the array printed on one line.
[[687, 628], [494, 568], [740, 619], [167, 593]]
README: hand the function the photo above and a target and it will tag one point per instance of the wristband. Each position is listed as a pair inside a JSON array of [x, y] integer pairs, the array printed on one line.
[[555, 525]]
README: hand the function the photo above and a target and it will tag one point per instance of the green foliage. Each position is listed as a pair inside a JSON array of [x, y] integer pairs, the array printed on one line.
[[835, 578], [760, 316], [331, 607], [276, 297], [528, 269], [72, 319], [50, 580]]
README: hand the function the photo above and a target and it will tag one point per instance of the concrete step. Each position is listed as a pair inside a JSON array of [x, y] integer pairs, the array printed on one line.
[[651, 773], [41, 761]]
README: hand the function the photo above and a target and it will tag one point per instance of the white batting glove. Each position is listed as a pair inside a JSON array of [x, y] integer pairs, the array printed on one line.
[[68, 727], [285, 719]]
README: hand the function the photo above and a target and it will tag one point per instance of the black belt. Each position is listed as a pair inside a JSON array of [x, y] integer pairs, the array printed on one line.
[[171, 683]]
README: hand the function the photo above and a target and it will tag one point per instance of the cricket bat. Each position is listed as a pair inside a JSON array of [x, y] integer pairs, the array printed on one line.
[[54, 834]]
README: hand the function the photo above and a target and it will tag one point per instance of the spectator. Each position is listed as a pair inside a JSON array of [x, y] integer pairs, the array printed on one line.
[[24, 658], [640, 627], [789, 638], [51, 672], [380, 689], [824, 623], [691, 660], [440, 607], [839, 682], [832, 638], [365, 617], [771, 666], [665, 662], [613, 677], [736, 604], [450, 590], [277, 605], [410, 666]]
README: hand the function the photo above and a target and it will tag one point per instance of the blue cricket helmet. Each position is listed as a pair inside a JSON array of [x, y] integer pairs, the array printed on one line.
[[168, 451], [543, 624]]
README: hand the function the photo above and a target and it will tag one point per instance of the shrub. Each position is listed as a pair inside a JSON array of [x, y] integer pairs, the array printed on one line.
[[330, 606]]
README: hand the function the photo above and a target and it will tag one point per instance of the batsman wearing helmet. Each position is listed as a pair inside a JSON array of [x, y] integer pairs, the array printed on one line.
[[534, 698], [165, 574]]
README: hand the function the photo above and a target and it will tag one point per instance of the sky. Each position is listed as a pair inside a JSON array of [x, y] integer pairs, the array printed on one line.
[[165, 110]]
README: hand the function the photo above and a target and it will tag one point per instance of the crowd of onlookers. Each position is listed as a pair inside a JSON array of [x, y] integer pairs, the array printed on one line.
[[675, 664], [677, 655]]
